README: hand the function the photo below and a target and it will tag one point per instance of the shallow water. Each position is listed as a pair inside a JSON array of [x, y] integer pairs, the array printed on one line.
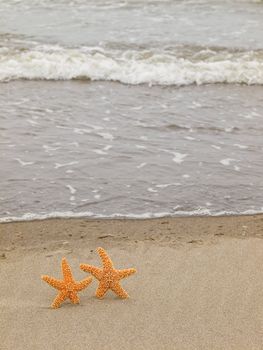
[[108, 149], [130, 108], [230, 23]]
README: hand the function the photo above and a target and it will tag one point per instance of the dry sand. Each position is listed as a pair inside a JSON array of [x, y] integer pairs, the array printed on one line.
[[199, 284]]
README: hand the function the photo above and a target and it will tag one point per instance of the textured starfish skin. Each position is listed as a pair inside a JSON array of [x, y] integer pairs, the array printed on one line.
[[68, 287], [108, 276]]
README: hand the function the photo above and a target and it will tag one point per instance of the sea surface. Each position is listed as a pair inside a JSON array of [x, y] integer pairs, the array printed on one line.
[[136, 108]]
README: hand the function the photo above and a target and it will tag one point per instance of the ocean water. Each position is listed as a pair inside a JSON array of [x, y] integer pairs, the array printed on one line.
[[136, 108]]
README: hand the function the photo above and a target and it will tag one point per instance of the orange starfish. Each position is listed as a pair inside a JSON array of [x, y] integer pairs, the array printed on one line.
[[68, 287], [109, 277]]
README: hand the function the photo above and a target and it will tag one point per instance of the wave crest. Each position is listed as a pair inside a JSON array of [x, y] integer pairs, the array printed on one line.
[[154, 67]]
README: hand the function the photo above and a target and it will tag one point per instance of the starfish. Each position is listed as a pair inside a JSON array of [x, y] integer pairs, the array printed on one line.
[[109, 277], [68, 287]]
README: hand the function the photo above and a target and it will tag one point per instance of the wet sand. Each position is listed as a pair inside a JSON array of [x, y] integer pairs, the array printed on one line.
[[199, 284]]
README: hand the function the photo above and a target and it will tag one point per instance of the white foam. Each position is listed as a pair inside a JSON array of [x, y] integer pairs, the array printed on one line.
[[23, 163], [71, 189], [240, 146], [150, 189], [141, 165], [140, 147], [227, 161], [32, 122], [196, 104], [216, 147], [58, 165], [147, 215], [167, 185], [50, 149], [131, 66], [107, 147], [82, 131], [178, 157], [137, 108], [190, 138], [99, 151]]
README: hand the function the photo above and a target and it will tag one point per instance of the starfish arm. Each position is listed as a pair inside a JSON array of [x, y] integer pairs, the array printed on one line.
[[117, 289], [95, 271], [101, 290], [74, 298], [59, 299], [125, 273], [66, 270], [53, 282], [106, 260], [83, 284]]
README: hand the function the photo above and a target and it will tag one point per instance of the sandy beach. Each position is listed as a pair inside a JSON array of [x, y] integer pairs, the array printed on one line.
[[134, 126], [199, 284]]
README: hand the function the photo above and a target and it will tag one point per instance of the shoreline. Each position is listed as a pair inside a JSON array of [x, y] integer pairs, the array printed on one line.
[[71, 216], [179, 229], [198, 286]]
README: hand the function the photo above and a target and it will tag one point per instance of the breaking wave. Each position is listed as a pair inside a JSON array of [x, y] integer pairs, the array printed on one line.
[[171, 66]]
